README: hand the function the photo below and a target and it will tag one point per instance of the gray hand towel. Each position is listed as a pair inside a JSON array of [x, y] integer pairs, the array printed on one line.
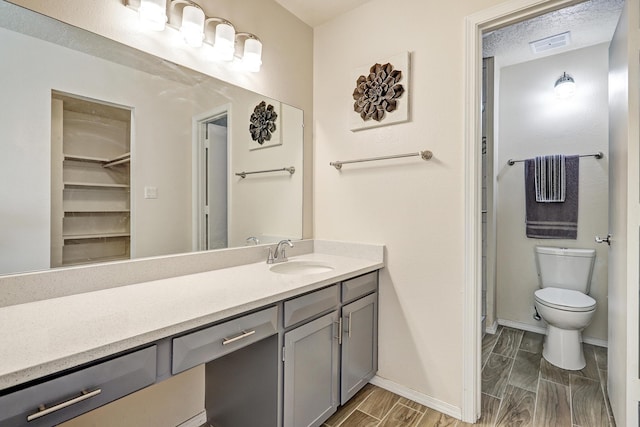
[[552, 220]]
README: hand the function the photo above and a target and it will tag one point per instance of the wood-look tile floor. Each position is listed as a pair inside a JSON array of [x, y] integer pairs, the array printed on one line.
[[519, 388]]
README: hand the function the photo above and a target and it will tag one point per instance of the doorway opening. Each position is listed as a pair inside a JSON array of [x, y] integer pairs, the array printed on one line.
[[488, 204], [211, 181]]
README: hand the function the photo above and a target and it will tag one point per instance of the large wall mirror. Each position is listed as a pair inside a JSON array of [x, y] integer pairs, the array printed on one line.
[[110, 153]]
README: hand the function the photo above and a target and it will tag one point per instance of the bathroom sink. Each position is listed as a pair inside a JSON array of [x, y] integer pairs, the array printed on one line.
[[300, 267]]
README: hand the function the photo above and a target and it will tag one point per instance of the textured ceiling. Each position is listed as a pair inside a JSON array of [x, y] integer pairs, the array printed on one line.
[[590, 23], [317, 12]]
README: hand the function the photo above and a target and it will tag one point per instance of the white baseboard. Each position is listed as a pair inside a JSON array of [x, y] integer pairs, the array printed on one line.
[[543, 329], [492, 329], [195, 421], [416, 396], [523, 326]]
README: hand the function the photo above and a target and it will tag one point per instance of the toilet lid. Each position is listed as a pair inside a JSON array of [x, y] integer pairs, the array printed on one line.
[[565, 299]]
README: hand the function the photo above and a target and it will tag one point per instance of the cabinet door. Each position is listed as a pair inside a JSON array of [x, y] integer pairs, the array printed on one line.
[[311, 357], [359, 345]]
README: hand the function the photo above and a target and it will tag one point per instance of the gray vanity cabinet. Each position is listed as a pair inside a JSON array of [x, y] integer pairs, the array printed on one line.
[[329, 359], [359, 345], [311, 364]]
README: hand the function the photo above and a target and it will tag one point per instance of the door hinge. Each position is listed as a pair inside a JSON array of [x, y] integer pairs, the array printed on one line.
[[283, 353]]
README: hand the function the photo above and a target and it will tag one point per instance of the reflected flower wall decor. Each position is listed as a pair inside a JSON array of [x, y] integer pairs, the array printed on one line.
[[264, 125], [381, 94]]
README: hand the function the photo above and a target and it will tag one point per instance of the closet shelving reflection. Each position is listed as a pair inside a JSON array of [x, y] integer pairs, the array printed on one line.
[[90, 218]]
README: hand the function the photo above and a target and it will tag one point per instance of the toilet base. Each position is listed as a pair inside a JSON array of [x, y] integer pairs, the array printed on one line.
[[563, 348]]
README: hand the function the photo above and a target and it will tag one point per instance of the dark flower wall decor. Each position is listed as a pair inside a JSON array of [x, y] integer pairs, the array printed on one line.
[[378, 92], [381, 93], [262, 123]]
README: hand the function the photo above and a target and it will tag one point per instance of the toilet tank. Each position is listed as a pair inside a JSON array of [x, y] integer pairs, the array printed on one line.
[[565, 268]]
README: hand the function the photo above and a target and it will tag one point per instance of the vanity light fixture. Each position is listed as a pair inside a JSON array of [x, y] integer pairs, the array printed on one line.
[[565, 86], [192, 27], [190, 19], [251, 59], [224, 39], [153, 14]]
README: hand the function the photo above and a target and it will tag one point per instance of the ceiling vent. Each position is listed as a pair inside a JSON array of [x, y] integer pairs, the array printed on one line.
[[550, 43]]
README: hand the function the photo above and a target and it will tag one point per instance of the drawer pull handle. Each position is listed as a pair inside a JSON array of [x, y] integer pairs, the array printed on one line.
[[349, 331], [244, 334], [46, 411]]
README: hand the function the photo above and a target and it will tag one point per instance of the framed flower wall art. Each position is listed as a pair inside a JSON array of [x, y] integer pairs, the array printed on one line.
[[381, 93], [264, 124]]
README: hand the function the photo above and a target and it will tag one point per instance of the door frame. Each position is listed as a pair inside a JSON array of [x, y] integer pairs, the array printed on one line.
[[503, 14], [198, 124]]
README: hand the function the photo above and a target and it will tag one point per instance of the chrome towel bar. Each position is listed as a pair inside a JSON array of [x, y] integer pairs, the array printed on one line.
[[290, 169], [425, 155], [597, 155]]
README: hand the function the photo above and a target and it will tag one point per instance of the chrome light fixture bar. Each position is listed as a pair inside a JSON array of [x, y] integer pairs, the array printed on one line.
[[189, 18]]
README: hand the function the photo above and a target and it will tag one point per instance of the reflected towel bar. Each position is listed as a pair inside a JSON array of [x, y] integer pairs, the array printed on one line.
[[597, 155], [290, 169], [425, 155]]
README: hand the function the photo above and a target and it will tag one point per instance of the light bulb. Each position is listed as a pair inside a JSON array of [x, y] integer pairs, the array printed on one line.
[[252, 56], [565, 86], [224, 42], [153, 14], [192, 28]]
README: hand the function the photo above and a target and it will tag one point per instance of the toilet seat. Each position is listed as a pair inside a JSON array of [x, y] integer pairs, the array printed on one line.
[[565, 299]]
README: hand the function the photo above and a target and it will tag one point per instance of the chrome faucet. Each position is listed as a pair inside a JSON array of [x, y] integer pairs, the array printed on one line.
[[253, 239], [279, 255]]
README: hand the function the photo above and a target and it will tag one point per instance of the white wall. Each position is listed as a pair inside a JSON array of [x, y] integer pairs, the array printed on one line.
[[534, 122], [415, 208]]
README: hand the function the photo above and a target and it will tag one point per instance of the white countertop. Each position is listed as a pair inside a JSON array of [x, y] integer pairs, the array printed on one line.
[[44, 337]]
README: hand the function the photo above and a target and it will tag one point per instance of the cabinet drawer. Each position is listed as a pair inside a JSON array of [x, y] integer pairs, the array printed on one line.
[[309, 305], [207, 344], [359, 286], [68, 396]]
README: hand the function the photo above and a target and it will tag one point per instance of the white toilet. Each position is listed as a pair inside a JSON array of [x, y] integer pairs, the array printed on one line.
[[565, 279]]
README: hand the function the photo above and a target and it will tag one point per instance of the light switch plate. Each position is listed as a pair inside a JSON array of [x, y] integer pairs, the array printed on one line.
[[150, 192]]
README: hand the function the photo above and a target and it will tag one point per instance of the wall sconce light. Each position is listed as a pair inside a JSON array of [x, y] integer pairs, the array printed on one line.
[[224, 39], [251, 59], [153, 14], [565, 86]]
